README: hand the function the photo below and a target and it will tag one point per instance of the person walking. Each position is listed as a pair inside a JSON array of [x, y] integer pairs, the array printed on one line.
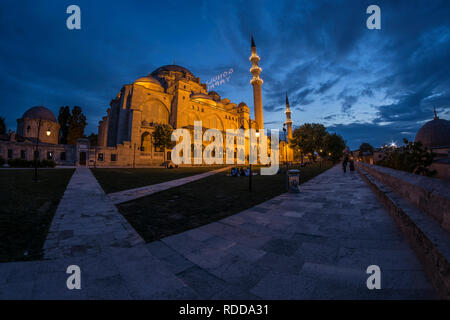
[[352, 165], [344, 164]]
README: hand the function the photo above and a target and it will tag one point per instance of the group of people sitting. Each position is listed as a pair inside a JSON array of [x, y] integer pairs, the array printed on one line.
[[236, 172]]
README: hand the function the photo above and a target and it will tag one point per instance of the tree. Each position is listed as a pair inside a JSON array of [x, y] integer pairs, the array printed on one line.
[[93, 139], [64, 117], [76, 125], [365, 147], [413, 157], [334, 146], [162, 136], [309, 138], [2, 125]]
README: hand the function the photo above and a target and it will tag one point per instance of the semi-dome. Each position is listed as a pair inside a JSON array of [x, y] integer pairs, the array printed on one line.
[[39, 112], [172, 67], [434, 133], [201, 97], [147, 79]]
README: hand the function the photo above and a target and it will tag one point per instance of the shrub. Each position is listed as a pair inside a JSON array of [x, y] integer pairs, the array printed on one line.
[[20, 163], [2, 161], [47, 164], [413, 157]]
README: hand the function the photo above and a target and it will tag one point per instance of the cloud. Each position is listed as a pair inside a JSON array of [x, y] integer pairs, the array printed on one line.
[[325, 86]]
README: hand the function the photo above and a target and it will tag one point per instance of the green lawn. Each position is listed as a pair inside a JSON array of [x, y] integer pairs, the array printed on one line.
[[27, 210], [119, 179], [204, 201]]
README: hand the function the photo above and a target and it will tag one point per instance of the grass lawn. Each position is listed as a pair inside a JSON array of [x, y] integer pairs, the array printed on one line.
[[204, 201], [27, 210], [119, 179]]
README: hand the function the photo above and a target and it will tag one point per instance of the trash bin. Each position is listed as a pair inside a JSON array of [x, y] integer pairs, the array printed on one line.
[[294, 181]]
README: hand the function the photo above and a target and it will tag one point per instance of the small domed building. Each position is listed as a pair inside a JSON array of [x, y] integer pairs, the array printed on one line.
[[435, 135], [39, 120], [37, 136]]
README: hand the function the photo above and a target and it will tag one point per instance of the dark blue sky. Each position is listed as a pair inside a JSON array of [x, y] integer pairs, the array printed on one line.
[[375, 86]]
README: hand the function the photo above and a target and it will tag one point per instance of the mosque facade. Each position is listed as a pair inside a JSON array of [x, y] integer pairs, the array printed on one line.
[[170, 95]]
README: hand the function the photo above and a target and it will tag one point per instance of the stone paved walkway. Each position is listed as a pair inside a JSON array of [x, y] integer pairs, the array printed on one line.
[[312, 245], [132, 194], [86, 221]]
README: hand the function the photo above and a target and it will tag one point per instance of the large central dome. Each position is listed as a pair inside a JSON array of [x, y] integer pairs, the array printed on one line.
[[172, 67]]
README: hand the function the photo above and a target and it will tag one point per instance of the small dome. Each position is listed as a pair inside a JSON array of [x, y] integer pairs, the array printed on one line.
[[172, 67], [434, 133], [242, 104], [39, 112]]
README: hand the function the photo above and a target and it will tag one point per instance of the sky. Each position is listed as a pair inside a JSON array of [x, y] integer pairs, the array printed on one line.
[[374, 86]]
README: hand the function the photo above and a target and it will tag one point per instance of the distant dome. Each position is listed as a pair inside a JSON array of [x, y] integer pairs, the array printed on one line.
[[172, 67], [434, 133], [39, 112], [242, 104]]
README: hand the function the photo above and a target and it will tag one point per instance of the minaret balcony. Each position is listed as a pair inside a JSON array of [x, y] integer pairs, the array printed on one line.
[[258, 81], [255, 69], [254, 57]]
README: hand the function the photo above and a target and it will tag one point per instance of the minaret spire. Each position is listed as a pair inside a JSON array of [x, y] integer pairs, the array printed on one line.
[[256, 83], [288, 118]]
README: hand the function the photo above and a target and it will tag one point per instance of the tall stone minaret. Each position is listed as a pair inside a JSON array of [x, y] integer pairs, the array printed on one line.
[[288, 118], [256, 83]]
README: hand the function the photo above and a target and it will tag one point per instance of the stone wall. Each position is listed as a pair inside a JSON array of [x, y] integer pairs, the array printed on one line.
[[429, 240], [431, 195]]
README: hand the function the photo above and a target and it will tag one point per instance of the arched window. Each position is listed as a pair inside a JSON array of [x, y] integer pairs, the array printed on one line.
[[146, 141]]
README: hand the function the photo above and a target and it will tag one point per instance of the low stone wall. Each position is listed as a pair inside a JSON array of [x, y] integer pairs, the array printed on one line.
[[430, 195], [430, 242]]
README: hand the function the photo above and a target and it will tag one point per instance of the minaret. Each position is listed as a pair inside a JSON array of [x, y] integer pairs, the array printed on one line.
[[435, 114], [256, 83], [288, 118]]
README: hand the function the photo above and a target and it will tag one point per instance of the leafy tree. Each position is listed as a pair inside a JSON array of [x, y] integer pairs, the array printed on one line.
[[2, 125], [162, 136], [365, 147], [76, 125], [93, 139], [413, 157], [334, 146], [308, 138], [64, 118]]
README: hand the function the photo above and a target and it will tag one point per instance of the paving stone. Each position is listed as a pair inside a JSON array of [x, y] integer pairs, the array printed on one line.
[[276, 286], [203, 283], [281, 246]]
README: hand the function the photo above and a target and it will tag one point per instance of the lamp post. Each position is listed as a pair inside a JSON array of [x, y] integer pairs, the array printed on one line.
[[320, 154]]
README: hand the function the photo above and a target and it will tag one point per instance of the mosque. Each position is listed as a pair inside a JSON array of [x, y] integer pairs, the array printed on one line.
[[170, 95]]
